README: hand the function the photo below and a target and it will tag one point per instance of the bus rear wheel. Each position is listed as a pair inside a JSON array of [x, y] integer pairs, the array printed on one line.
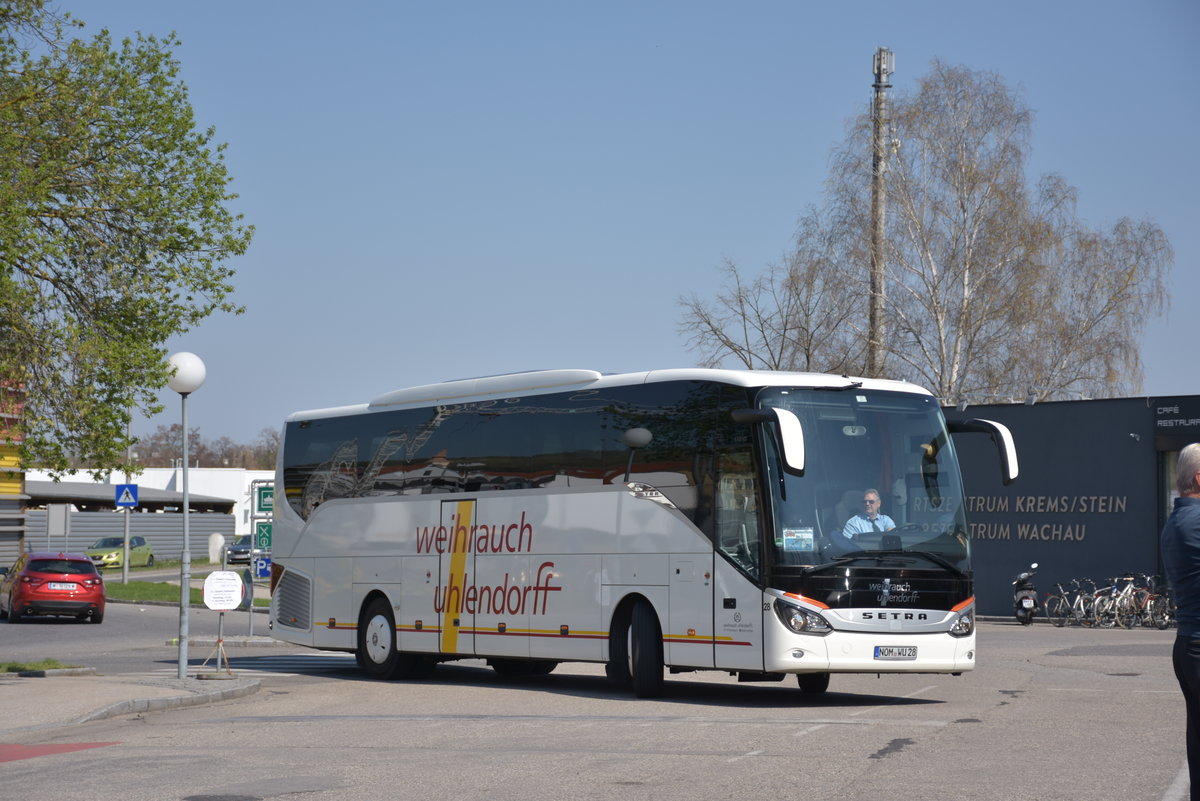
[[377, 640]]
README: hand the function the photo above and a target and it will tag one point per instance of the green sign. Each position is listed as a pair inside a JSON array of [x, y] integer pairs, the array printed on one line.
[[262, 536], [264, 500]]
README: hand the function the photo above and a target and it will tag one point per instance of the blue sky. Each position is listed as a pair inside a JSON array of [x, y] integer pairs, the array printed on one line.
[[445, 190]]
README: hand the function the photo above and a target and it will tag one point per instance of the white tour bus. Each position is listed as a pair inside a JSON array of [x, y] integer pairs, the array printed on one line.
[[690, 519]]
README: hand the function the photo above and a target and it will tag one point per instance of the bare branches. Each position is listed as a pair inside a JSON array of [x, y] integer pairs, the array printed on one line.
[[993, 287], [801, 314]]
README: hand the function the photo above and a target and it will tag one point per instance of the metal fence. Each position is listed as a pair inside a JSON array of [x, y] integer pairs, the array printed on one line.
[[163, 531]]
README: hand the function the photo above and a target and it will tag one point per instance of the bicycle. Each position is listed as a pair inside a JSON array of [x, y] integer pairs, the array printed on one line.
[[1072, 606], [1126, 603], [1160, 608], [1104, 605]]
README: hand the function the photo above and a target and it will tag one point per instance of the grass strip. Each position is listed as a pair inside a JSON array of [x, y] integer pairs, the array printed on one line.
[[142, 591], [22, 667]]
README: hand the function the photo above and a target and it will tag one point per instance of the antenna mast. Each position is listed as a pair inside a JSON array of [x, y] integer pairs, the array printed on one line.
[[885, 65]]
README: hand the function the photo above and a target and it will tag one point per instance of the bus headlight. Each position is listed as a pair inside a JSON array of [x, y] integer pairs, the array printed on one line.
[[964, 625], [800, 620]]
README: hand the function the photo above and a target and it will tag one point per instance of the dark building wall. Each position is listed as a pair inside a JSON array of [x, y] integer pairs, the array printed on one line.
[[1176, 421], [1087, 503]]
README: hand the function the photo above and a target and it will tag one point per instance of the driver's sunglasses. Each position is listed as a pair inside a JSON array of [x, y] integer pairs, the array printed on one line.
[[869, 501]]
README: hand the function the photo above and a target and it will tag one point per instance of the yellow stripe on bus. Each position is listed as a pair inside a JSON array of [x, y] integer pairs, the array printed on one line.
[[460, 542]]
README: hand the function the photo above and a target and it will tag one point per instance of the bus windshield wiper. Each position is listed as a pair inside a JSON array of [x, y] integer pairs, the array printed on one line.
[[838, 560], [937, 559], [854, 556]]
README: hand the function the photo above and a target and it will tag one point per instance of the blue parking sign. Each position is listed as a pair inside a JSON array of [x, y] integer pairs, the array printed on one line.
[[262, 567]]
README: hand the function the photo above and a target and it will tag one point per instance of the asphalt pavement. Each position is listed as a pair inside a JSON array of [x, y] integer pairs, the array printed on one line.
[[46, 699]]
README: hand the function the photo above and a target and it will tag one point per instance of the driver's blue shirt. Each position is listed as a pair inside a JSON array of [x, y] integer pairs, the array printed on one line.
[[861, 524]]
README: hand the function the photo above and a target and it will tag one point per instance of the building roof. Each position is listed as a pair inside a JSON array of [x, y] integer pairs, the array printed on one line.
[[90, 497]]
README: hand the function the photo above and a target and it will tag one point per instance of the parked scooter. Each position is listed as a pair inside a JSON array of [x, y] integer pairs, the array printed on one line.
[[1025, 597]]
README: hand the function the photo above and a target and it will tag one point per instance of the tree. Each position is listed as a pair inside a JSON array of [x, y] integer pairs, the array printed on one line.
[[163, 447], [798, 315], [992, 287], [115, 230]]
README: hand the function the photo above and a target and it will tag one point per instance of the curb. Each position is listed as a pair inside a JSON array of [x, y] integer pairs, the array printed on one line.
[[233, 642], [42, 674], [173, 702], [192, 692]]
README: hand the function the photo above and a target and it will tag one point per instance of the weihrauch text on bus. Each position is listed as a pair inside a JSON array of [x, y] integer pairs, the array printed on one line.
[[683, 519]]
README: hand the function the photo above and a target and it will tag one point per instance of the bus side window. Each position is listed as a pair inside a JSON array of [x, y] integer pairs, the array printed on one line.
[[736, 509]]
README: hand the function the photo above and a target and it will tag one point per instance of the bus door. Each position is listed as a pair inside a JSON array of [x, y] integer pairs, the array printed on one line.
[[737, 619], [457, 576], [500, 575], [737, 601]]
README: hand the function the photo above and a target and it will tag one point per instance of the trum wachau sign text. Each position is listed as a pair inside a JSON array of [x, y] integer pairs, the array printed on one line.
[[1072, 529]]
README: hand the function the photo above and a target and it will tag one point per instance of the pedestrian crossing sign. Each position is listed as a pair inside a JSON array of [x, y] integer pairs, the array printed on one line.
[[126, 496]]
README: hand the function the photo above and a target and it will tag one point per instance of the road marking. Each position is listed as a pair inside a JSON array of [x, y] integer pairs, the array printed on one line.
[[743, 756], [1109, 691], [1178, 791], [11, 753], [913, 694]]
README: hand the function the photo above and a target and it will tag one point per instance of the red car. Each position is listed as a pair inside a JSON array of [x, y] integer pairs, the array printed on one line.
[[47, 583]]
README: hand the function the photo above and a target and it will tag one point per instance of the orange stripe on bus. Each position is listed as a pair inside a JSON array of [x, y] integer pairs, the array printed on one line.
[[798, 597], [963, 605]]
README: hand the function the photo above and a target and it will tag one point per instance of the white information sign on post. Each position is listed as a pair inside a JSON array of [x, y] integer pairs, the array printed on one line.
[[223, 590]]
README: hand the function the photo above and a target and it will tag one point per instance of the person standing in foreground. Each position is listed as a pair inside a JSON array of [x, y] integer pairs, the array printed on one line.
[[1181, 558]]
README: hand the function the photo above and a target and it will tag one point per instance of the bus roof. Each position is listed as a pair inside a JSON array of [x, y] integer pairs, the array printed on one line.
[[540, 382]]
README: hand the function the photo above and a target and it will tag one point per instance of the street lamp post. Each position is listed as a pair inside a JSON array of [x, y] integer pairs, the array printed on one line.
[[185, 377]]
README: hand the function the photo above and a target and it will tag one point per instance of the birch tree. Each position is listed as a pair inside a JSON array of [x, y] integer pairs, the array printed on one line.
[[994, 286]]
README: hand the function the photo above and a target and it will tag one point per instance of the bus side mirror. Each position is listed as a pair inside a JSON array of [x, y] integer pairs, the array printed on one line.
[[1001, 436], [634, 438], [791, 433]]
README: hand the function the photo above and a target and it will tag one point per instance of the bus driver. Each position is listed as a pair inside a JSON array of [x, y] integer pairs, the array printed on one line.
[[869, 520]]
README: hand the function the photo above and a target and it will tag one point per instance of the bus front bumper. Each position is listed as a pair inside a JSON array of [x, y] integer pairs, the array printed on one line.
[[870, 652]]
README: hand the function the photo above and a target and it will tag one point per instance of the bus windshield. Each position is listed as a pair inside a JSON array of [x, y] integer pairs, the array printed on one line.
[[881, 482]]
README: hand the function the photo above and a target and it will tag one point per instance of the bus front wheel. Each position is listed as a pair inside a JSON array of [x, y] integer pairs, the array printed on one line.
[[377, 640], [645, 652], [813, 683], [617, 667]]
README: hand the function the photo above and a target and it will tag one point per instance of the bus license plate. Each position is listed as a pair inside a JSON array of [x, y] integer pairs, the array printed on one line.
[[62, 585], [895, 652]]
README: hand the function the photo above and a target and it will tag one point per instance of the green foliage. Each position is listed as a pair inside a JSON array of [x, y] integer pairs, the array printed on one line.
[[115, 230], [148, 591], [25, 667]]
